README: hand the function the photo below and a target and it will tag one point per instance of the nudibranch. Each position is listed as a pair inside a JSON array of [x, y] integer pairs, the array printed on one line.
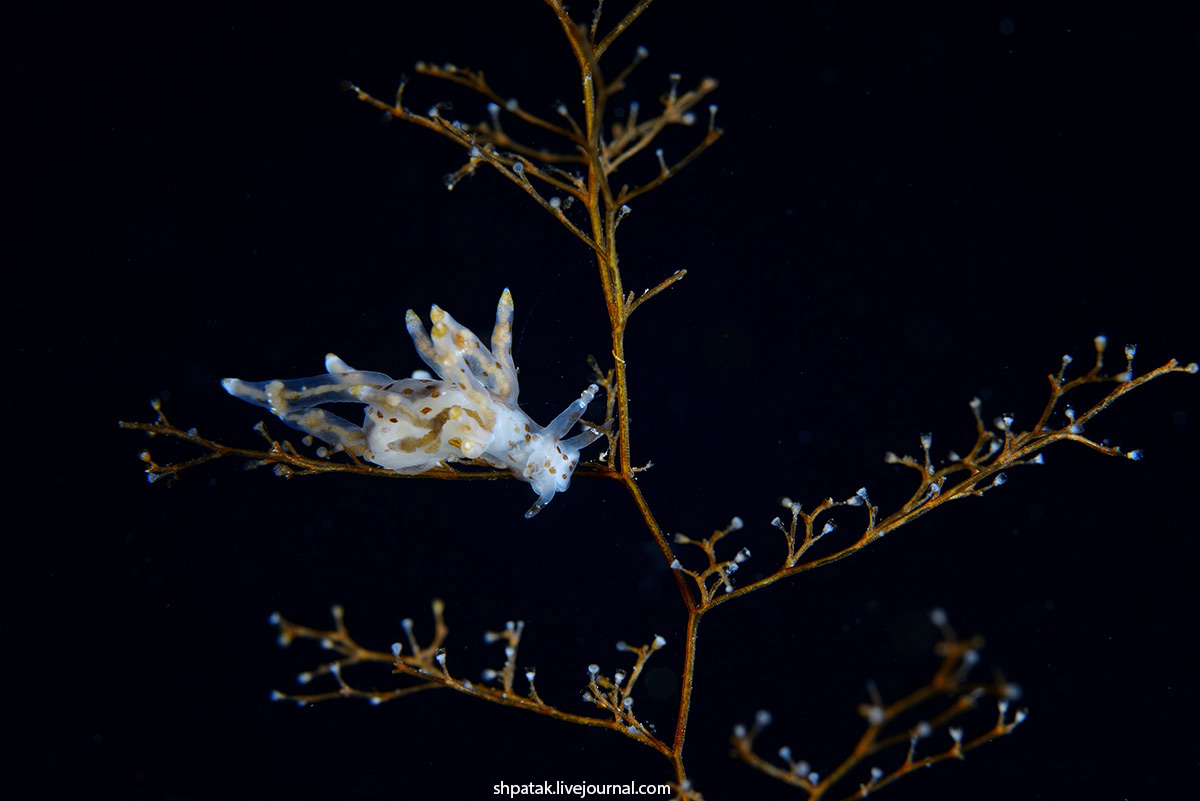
[[414, 424]]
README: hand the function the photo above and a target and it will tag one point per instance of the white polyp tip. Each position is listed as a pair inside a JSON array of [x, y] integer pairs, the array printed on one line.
[[375, 700], [659, 641], [938, 616], [627, 703], [956, 734], [739, 731], [642, 52], [275, 618], [407, 624], [876, 774], [922, 729], [1135, 455], [1020, 716], [814, 778], [1101, 343], [277, 696], [593, 669], [488, 674], [736, 523], [830, 526], [396, 649], [762, 717], [529, 675], [785, 754], [518, 168], [304, 678], [625, 208], [675, 565], [511, 104]]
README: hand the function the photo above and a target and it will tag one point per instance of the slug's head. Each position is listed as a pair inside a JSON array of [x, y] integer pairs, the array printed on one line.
[[553, 459]]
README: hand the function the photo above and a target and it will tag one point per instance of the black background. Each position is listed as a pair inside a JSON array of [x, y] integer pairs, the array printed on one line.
[[911, 207]]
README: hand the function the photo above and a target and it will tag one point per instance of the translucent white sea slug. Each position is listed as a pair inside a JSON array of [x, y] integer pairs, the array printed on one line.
[[413, 424]]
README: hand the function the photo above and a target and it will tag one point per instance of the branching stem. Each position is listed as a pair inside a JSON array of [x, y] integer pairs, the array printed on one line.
[[552, 179]]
